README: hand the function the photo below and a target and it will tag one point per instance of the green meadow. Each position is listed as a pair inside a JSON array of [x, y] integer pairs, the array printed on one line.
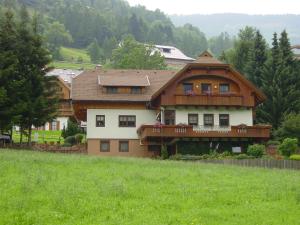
[[47, 189]]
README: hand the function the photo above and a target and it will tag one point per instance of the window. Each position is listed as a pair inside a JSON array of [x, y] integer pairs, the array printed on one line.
[[136, 90], [193, 119], [187, 88], [166, 50], [224, 88], [104, 146], [127, 121], [208, 119], [224, 120], [54, 125], [205, 88], [123, 146], [100, 121], [112, 90]]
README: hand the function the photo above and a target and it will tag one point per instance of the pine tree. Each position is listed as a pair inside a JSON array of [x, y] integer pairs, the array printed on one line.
[[95, 51], [38, 91]]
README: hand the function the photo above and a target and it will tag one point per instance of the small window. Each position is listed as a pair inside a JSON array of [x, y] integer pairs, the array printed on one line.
[[136, 90], [187, 88], [224, 88], [104, 146], [54, 125], [208, 120], [123, 146], [193, 119], [127, 121], [224, 120], [112, 90], [205, 88], [100, 121], [166, 50]]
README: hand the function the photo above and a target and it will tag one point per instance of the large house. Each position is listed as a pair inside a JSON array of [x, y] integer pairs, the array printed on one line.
[[136, 112], [173, 56]]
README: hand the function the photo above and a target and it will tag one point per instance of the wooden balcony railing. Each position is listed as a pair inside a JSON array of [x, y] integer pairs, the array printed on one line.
[[210, 100], [185, 131]]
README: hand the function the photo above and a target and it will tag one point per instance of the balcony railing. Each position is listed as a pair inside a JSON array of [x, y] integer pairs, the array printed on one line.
[[186, 131], [210, 99]]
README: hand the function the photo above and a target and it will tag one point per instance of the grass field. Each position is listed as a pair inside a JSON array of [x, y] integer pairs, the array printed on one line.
[[43, 188], [43, 135]]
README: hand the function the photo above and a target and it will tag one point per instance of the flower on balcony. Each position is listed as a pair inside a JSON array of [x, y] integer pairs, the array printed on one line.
[[190, 93]]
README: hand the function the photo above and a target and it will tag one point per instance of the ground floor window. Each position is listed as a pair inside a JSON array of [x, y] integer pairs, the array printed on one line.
[[104, 146], [123, 146]]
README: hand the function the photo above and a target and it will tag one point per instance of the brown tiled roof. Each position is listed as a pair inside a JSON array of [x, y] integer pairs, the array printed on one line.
[[86, 87], [107, 79]]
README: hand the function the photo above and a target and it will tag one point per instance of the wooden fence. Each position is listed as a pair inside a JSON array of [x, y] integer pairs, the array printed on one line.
[[264, 163]]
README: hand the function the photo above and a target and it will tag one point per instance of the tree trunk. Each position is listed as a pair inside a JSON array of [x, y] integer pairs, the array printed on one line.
[[21, 134], [29, 136]]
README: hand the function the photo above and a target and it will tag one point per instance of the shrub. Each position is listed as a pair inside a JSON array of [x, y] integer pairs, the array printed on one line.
[[175, 157], [243, 156], [290, 127], [288, 146], [256, 150], [273, 142], [164, 152], [70, 140], [72, 129], [78, 138], [66, 145], [295, 157]]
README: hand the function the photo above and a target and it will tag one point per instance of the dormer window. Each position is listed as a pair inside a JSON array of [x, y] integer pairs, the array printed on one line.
[[187, 88], [166, 50], [136, 90], [111, 90], [224, 88]]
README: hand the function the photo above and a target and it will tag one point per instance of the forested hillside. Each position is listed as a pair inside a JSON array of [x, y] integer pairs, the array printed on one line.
[[79, 23]]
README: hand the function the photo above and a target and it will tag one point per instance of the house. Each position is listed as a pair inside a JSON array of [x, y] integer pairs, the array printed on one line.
[[65, 111], [136, 112], [296, 51], [173, 56]]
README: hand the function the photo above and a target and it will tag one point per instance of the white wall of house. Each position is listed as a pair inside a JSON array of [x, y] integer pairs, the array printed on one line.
[[236, 116], [112, 129], [63, 121]]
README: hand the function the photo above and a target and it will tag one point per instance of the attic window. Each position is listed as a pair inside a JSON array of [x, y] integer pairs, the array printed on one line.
[[136, 90], [166, 50], [112, 90]]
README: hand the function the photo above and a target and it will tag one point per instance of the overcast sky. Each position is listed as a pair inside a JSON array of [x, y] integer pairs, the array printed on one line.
[[186, 7]]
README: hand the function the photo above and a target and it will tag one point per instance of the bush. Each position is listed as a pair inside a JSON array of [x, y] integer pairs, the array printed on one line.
[[288, 146], [72, 129], [295, 157], [175, 157], [164, 152], [243, 156], [256, 150], [70, 140], [78, 138], [66, 145], [290, 127], [273, 142]]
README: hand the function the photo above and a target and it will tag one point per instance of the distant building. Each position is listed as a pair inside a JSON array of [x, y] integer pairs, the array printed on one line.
[[173, 56], [296, 51], [65, 111]]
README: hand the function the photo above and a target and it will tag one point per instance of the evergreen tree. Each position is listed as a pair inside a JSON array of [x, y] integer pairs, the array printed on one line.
[[95, 52], [258, 58], [38, 91], [134, 27]]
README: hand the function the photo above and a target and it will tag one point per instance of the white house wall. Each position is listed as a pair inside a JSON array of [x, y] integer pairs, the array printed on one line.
[[236, 116], [112, 129]]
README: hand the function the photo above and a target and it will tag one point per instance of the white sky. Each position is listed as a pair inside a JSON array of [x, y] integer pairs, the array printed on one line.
[[185, 7]]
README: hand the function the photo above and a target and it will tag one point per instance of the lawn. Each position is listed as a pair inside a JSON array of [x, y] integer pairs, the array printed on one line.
[[72, 54], [44, 188], [43, 135], [72, 65]]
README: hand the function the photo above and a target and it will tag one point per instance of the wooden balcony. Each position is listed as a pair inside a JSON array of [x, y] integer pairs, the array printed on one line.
[[210, 100], [185, 131]]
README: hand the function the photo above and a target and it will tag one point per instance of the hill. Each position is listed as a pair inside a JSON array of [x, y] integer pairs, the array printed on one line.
[[43, 188], [213, 24]]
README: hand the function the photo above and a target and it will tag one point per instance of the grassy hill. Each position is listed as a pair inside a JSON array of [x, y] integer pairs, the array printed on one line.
[[42, 188], [73, 58]]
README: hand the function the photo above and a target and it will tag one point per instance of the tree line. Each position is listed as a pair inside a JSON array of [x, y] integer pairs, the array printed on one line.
[[27, 95], [276, 72]]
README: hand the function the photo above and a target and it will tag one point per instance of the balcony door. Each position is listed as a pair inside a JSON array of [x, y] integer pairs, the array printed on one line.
[[169, 117]]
